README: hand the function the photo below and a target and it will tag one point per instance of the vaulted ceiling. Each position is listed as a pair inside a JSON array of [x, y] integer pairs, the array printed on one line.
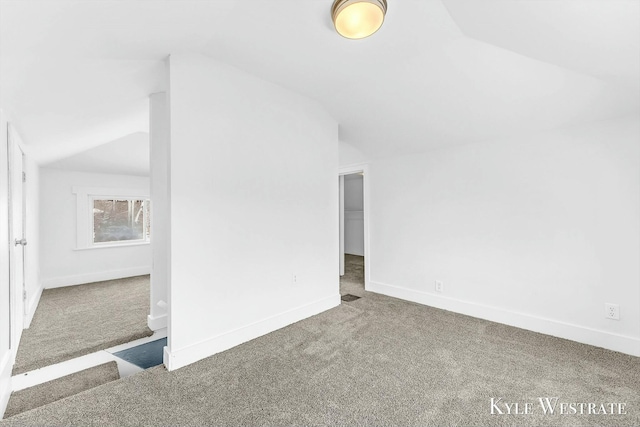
[[75, 74]]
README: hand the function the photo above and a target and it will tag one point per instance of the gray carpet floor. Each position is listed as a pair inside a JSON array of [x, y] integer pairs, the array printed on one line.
[[77, 320], [353, 280], [51, 391], [374, 361]]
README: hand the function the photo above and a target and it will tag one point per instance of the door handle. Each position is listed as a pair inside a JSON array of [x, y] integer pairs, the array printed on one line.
[[22, 242]]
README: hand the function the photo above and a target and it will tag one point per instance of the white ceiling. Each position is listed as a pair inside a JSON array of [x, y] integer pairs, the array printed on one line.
[[594, 37], [75, 74], [128, 155]]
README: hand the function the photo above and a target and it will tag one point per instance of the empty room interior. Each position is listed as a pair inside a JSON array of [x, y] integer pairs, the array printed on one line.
[[327, 212]]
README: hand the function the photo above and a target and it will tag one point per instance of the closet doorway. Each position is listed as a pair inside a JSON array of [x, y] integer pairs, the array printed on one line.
[[354, 257]]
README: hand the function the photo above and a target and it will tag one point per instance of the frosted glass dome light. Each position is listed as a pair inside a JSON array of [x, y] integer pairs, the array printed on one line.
[[357, 19]]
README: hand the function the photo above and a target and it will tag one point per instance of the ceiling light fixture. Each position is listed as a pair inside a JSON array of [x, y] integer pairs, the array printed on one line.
[[357, 19]]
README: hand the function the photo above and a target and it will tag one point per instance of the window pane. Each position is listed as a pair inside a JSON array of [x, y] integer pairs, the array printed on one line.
[[147, 212], [118, 220]]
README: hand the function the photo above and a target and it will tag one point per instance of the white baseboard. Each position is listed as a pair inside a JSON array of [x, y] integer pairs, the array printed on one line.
[[31, 307], [185, 356], [6, 366], [157, 322], [622, 343], [80, 279]]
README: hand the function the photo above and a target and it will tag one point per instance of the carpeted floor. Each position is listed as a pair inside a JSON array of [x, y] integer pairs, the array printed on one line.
[[78, 320], [43, 394], [375, 361], [353, 280]]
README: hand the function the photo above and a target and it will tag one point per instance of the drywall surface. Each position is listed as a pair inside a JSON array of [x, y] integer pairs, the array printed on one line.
[[350, 155], [254, 208], [159, 136], [538, 231], [61, 263], [353, 196], [353, 215]]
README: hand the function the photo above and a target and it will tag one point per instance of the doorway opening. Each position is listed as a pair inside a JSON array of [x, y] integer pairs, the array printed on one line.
[[93, 212], [354, 256]]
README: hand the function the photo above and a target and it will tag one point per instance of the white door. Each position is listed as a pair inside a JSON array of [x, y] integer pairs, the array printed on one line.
[[17, 234]]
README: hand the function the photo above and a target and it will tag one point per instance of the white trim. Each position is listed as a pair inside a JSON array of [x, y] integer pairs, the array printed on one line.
[[68, 367], [31, 306], [84, 215], [158, 322], [116, 244], [622, 343], [5, 381], [182, 357], [353, 168], [366, 192], [111, 192], [59, 370], [80, 279]]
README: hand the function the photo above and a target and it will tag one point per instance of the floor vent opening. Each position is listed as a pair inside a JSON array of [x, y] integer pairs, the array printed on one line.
[[145, 355]]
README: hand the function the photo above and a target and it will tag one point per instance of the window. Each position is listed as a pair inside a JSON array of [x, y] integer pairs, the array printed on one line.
[[109, 217], [119, 220]]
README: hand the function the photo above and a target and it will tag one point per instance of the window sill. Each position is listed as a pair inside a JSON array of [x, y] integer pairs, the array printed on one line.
[[112, 245]]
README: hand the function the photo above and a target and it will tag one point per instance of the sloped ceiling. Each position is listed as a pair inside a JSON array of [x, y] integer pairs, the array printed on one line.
[[75, 74], [596, 38], [128, 155]]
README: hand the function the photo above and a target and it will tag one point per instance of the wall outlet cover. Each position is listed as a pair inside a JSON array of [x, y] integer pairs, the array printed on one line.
[[612, 311], [439, 286]]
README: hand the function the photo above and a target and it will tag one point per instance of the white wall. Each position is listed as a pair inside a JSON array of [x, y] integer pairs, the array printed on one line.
[[254, 201], [538, 231], [350, 155], [353, 196], [159, 138], [60, 263], [353, 215]]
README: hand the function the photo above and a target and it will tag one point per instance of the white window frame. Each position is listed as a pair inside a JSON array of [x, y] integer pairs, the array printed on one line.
[[84, 214]]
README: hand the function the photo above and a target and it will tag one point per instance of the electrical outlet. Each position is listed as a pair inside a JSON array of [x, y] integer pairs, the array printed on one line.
[[439, 286], [612, 311], [294, 279]]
